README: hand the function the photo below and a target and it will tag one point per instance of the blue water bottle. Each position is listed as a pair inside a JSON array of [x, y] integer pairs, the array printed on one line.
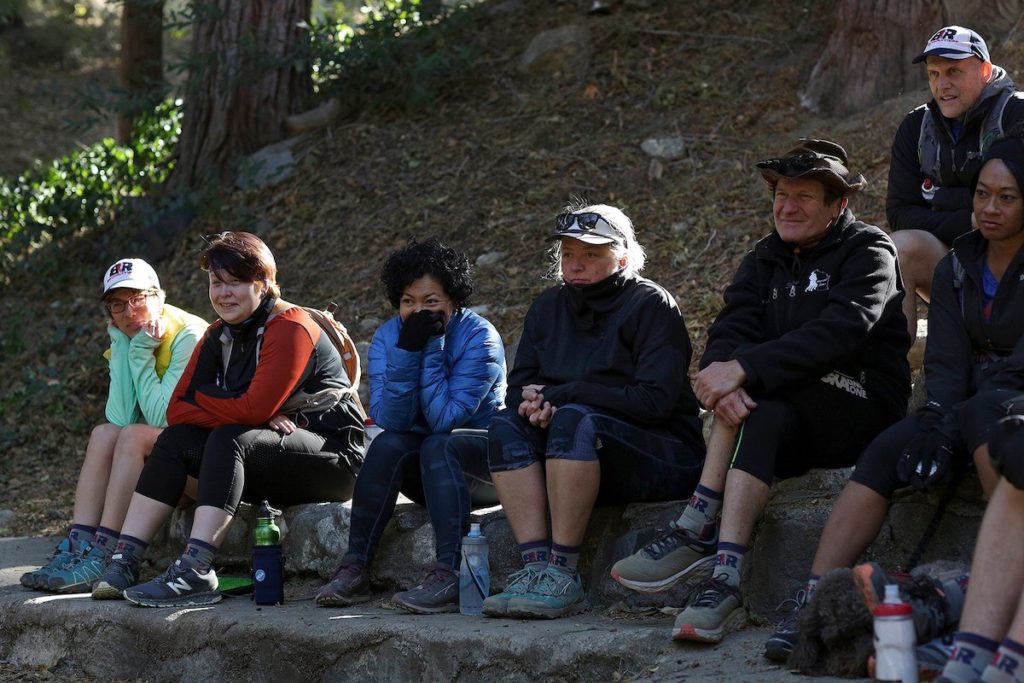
[[474, 575], [267, 560]]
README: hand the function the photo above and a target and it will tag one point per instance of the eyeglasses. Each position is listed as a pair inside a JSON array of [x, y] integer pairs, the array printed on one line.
[[587, 222], [118, 306]]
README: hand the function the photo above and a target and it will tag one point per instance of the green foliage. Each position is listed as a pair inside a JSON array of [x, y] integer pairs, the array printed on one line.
[[82, 190], [399, 59]]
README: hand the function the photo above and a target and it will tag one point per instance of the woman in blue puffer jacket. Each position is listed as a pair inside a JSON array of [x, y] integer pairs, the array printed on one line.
[[437, 376]]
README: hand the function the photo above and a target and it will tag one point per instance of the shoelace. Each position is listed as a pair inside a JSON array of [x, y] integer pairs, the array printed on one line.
[[553, 582], [526, 576], [347, 569], [712, 596], [660, 547], [435, 576], [792, 607]]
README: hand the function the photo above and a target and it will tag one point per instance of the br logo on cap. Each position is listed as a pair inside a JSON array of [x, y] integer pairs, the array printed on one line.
[[944, 34], [120, 268]]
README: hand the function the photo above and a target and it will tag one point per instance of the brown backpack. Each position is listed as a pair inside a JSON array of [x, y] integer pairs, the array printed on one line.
[[339, 336]]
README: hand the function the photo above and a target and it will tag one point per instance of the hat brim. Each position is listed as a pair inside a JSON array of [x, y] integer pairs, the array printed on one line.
[[824, 176], [128, 283], [587, 237], [946, 52]]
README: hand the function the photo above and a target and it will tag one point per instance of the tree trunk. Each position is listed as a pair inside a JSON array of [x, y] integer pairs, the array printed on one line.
[[867, 57], [244, 79], [140, 72]]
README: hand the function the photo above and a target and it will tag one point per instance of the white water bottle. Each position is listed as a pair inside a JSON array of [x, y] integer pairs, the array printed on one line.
[[895, 659], [474, 574], [371, 430]]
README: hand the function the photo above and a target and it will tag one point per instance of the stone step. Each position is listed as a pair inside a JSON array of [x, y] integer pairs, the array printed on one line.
[[315, 538]]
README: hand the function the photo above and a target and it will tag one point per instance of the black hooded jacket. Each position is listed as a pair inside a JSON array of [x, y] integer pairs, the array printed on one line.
[[792, 318], [948, 215]]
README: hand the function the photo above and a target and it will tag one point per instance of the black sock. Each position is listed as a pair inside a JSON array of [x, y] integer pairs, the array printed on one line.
[[105, 540]]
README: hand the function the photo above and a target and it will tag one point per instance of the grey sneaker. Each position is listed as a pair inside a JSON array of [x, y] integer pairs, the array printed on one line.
[[180, 586], [716, 610], [665, 561], [437, 593], [349, 585], [778, 647], [555, 594], [516, 585], [122, 572]]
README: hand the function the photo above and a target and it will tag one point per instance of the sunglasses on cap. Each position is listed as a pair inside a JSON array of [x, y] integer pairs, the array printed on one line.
[[587, 222], [802, 163]]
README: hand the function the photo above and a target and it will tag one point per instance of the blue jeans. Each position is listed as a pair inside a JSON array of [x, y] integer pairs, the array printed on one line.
[[446, 472], [638, 463]]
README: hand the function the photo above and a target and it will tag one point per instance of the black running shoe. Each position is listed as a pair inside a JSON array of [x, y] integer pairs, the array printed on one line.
[[778, 647], [180, 586], [438, 592], [349, 585], [122, 572]]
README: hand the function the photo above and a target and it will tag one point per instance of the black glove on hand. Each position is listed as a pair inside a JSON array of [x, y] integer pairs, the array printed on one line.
[[1006, 448], [418, 328], [928, 457]]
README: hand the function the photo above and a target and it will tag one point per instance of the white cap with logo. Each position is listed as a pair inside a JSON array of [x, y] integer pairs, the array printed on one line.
[[130, 273]]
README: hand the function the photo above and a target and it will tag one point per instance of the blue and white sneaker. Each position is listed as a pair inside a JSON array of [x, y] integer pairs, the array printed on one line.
[[62, 555], [554, 594], [78, 575], [121, 573], [180, 586]]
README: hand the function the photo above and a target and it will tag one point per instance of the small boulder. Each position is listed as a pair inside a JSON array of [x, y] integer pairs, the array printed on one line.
[[269, 166], [562, 53], [490, 258], [669, 147]]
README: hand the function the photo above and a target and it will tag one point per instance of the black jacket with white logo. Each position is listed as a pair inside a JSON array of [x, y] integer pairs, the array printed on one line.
[[967, 353], [793, 316]]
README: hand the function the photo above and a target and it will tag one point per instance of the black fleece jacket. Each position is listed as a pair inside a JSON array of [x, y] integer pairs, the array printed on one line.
[[948, 215], [793, 317], [619, 346], [966, 353]]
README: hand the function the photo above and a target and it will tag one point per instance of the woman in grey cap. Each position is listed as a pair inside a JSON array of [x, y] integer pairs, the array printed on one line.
[[150, 345], [600, 408]]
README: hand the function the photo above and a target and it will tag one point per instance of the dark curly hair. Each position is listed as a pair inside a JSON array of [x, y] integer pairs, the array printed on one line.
[[416, 259]]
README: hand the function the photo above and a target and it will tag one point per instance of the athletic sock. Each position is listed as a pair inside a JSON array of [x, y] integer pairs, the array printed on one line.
[[535, 553], [1007, 666], [105, 540], [700, 517], [80, 535], [130, 548], [565, 557], [199, 554], [730, 562], [971, 654]]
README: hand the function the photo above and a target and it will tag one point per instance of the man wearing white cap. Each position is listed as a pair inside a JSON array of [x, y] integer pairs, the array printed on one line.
[[150, 345], [938, 149]]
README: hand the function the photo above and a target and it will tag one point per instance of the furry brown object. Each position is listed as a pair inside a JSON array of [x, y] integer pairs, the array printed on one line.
[[837, 628]]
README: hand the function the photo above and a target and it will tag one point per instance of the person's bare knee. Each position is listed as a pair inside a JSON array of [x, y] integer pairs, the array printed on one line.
[[135, 442], [918, 253]]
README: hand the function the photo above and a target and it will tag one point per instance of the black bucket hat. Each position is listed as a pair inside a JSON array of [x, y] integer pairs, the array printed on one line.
[[814, 160]]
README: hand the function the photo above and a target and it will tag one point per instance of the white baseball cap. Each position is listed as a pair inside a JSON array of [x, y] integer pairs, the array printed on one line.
[[955, 42], [130, 273]]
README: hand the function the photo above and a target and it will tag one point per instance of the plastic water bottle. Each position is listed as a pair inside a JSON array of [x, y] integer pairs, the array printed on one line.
[[895, 660], [267, 560], [474, 574]]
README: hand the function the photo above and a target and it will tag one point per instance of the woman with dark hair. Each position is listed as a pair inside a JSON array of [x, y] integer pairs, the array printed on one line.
[[437, 376], [264, 410]]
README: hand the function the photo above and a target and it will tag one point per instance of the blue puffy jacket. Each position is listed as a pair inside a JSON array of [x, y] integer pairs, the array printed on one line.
[[456, 381]]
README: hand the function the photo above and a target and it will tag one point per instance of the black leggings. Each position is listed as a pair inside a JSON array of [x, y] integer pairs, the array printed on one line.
[[236, 462], [823, 424]]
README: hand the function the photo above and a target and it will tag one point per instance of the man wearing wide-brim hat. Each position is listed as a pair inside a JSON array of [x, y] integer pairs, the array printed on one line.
[[804, 365]]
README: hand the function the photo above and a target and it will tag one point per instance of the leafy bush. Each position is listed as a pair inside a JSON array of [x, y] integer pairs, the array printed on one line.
[[399, 59], [83, 189]]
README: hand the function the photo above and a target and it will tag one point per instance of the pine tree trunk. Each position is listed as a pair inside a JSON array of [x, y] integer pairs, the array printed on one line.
[[244, 79], [867, 57], [140, 71]]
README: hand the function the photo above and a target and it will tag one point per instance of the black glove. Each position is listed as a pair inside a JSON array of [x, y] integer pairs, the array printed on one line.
[[928, 458], [1006, 448], [418, 328]]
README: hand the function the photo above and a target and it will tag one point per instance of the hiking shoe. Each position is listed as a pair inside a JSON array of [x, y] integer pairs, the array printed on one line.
[[517, 584], [717, 609], [438, 592], [663, 562], [180, 586], [121, 573], [78, 575], [555, 593], [349, 585], [37, 578], [781, 643], [931, 659]]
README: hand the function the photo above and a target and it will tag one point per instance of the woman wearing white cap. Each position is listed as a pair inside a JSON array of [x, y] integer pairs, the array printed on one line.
[[150, 345], [600, 408]]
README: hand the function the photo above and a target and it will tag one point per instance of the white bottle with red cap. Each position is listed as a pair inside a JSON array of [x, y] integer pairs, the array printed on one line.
[[895, 639], [371, 430]]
